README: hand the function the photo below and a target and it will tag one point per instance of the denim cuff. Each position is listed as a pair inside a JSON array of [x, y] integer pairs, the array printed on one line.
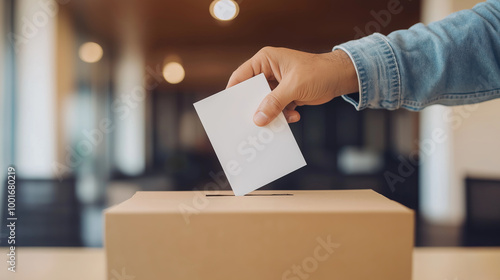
[[378, 73]]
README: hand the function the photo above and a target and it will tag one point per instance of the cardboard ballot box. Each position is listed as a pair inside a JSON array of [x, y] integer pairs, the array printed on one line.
[[296, 235]]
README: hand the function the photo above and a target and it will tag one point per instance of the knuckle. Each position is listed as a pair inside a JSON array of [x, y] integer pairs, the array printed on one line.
[[274, 103], [266, 50]]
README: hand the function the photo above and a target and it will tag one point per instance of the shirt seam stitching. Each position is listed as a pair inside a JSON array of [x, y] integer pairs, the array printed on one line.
[[398, 74]]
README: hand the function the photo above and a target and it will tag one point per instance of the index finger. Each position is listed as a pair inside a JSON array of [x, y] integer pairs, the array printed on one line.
[[242, 73], [261, 62]]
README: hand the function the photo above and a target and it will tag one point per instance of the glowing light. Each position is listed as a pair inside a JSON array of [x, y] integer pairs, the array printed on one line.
[[173, 72], [224, 10], [90, 52]]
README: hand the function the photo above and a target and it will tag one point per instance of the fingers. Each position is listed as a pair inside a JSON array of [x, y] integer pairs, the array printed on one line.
[[244, 72], [262, 62], [272, 105], [291, 116], [291, 106], [267, 61]]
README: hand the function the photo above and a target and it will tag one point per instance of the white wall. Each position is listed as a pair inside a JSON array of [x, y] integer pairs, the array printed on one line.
[[477, 141], [440, 195], [36, 137], [130, 112]]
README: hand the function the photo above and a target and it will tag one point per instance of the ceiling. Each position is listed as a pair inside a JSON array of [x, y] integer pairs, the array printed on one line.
[[211, 49]]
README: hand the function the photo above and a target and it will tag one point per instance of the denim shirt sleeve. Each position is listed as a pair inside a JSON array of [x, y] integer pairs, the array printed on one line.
[[454, 61]]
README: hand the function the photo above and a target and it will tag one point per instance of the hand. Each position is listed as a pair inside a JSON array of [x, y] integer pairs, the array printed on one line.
[[297, 78]]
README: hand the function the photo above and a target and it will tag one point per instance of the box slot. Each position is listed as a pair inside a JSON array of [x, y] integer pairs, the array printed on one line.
[[271, 194]]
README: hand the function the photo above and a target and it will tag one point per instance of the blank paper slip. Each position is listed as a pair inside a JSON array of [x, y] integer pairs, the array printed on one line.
[[251, 156]]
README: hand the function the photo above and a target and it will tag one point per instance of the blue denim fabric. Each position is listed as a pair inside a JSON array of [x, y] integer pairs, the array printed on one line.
[[454, 61]]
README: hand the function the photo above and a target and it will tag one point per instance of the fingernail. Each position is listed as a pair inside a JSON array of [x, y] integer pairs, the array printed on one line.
[[260, 118], [292, 119]]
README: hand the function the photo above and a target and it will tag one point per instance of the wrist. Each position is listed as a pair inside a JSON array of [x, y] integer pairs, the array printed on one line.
[[342, 71], [348, 78]]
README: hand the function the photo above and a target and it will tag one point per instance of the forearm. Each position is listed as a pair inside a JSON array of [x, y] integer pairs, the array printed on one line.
[[453, 62]]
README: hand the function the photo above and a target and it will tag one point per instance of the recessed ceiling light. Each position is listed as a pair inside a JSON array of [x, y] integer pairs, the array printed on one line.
[[90, 52], [224, 10], [173, 72]]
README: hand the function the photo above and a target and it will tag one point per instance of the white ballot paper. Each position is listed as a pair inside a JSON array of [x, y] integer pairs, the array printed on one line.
[[251, 156]]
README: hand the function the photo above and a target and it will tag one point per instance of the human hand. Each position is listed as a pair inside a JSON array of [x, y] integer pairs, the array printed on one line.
[[297, 78]]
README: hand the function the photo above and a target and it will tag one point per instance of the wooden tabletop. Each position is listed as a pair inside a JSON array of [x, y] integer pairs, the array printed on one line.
[[89, 264]]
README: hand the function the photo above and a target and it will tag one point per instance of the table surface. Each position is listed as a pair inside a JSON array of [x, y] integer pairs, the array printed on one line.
[[89, 264]]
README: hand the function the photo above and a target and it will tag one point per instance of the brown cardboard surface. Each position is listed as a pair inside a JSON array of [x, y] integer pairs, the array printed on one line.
[[348, 234], [261, 201]]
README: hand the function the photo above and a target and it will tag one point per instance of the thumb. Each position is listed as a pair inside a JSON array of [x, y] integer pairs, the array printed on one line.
[[272, 105]]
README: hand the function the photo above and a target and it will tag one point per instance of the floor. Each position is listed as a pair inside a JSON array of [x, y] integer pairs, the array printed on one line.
[[89, 263]]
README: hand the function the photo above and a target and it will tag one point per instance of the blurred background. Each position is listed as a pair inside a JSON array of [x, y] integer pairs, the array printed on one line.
[[96, 104]]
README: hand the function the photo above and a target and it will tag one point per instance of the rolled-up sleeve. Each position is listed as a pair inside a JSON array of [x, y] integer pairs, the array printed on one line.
[[378, 74], [454, 61]]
